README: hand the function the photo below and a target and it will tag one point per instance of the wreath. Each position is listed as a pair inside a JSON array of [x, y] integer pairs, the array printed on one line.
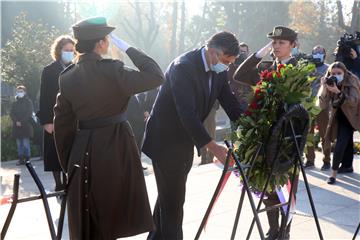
[[281, 95]]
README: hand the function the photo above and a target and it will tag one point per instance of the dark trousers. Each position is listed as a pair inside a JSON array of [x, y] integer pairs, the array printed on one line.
[[344, 148], [325, 145], [171, 172]]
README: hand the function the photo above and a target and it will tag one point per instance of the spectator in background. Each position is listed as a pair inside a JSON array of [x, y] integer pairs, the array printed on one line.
[[350, 57], [241, 91], [21, 115], [343, 94], [319, 55], [62, 52]]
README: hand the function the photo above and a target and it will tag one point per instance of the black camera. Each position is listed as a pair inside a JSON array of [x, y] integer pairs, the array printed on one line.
[[346, 43], [331, 80], [310, 58]]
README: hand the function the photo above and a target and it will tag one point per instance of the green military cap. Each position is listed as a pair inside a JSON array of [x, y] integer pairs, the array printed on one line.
[[281, 32], [91, 28]]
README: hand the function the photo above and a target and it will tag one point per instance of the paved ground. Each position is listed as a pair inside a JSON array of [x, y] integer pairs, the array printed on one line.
[[338, 206]]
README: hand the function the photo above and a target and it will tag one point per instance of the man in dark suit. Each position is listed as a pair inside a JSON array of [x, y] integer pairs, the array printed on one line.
[[193, 82]]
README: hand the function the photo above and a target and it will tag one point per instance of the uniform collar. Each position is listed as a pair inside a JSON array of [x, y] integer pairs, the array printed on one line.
[[89, 56], [206, 66], [285, 61]]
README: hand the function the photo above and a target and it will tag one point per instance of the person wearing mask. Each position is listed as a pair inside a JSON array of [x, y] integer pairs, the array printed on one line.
[[341, 90], [194, 81], [62, 53], [22, 130], [241, 91], [283, 41], [107, 196], [319, 55]]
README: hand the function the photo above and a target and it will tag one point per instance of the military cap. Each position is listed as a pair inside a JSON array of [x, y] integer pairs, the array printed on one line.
[[91, 28], [281, 32]]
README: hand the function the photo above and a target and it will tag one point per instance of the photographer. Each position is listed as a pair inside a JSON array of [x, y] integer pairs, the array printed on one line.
[[318, 56], [341, 89], [348, 52]]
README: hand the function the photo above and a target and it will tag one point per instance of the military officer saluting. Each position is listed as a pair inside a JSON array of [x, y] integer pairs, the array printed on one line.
[[283, 40], [107, 196]]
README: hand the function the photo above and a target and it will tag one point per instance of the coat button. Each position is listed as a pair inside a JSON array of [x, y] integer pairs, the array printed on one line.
[[87, 154], [86, 181], [86, 195], [85, 167]]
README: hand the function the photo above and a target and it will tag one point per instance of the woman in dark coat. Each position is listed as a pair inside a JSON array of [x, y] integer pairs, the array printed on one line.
[[107, 196], [21, 114], [62, 52]]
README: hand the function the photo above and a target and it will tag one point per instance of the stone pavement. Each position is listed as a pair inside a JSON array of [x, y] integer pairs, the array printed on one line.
[[338, 206]]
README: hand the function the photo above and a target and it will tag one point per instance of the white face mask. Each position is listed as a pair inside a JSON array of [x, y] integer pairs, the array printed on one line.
[[67, 57], [20, 94], [319, 56], [339, 77]]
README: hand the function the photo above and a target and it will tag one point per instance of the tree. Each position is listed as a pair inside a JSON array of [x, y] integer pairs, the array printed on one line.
[[355, 17], [26, 53]]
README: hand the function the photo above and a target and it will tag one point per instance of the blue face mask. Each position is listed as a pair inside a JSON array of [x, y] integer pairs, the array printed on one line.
[[294, 51], [67, 57], [219, 67], [319, 56]]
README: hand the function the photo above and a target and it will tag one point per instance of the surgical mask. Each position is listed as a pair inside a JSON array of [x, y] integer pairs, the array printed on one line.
[[67, 57], [219, 67], [319, 56], [20, 94], [294, 51], [339, 78]]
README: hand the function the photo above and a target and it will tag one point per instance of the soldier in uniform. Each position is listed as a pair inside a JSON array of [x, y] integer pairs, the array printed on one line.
[[283, 40], [107, 196]]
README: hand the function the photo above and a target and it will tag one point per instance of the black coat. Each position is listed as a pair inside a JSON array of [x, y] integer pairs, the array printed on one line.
[[182, 104], [21, 111], [48, 90]]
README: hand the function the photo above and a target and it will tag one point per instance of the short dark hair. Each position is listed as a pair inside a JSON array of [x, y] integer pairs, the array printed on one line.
[[226, 42], [242, 44], [319, 46], [86, 46]]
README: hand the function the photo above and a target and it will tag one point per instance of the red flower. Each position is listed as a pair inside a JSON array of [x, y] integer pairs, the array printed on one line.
[[254, 105], [280, 66], [278, 75], [269, 76], [247, 113], [258, 93], [259, 82], [264, 74]]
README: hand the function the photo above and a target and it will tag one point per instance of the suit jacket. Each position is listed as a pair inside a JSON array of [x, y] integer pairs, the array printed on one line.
[[183, 103], [96, 88]]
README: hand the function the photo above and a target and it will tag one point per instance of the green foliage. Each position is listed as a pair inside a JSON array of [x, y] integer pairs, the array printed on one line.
[[26, 53]]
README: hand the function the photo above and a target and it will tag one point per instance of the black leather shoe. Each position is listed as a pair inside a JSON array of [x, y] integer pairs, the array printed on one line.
[[331, 180], [309, 164], [326, 166], [272, 235], [345, 170]]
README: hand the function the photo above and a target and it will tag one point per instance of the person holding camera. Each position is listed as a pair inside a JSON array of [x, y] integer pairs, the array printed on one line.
[[318, 55], [348, 52], [341, 90]]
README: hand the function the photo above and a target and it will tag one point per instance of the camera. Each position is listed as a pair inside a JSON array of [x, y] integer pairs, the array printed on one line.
[[331, 80], [346, 43], [310, 58]]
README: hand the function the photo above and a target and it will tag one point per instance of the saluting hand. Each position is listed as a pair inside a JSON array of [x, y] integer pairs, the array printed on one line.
[[121, 44]]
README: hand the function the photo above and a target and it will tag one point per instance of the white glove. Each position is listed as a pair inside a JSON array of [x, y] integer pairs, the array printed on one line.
[[264, 51], [121, 44]]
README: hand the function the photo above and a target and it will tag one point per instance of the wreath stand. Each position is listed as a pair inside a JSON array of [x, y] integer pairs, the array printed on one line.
[[44, 197], [284, 130]]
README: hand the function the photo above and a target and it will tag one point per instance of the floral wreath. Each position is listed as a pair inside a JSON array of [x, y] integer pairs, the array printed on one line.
[[276, 90]]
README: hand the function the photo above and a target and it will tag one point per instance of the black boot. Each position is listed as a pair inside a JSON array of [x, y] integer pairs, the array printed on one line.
[[20, 161]]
